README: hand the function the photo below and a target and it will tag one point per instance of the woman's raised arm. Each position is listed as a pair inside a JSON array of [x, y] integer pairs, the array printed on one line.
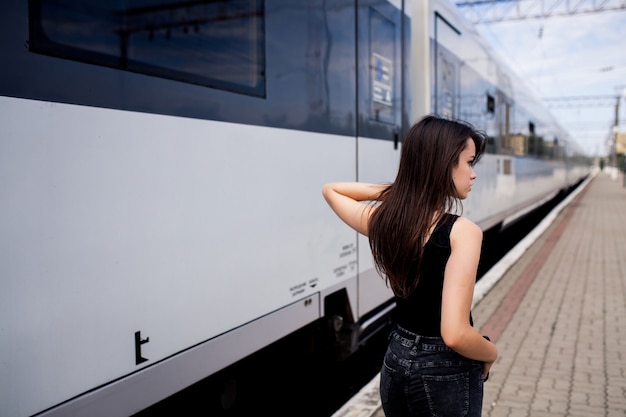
[[347, 199]]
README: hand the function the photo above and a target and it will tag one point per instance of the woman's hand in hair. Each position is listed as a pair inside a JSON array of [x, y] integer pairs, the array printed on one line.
[[351, 201]]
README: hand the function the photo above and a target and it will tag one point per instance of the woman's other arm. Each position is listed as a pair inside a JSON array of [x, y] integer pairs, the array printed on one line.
[[347, 201], [458, 291]]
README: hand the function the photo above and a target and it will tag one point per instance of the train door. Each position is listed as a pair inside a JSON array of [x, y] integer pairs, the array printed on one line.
[[381, 108]]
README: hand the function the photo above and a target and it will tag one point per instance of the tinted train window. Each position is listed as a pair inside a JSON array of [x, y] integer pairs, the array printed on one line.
[[215, 43]]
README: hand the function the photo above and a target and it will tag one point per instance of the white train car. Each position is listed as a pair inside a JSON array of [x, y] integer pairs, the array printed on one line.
[[160, 174]]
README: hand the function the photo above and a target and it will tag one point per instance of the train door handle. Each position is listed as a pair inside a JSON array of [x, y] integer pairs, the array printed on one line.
[[138, 342]]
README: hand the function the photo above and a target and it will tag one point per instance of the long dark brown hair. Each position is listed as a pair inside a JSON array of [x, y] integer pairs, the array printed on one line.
[[421, 195]]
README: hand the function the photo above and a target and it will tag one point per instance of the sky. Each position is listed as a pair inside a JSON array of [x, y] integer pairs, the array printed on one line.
[[571, 56]]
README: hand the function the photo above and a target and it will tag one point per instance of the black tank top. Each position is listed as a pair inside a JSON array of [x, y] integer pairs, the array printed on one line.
[[421, 311]]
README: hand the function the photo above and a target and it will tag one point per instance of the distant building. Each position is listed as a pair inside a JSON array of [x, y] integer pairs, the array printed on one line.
[[620, 143]]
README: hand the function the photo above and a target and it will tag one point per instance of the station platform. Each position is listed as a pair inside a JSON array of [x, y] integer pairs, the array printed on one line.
[[555, 306]]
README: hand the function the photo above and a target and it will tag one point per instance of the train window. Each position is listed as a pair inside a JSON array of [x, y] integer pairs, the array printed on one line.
[[491, 104], [215, 43], [506, 167]]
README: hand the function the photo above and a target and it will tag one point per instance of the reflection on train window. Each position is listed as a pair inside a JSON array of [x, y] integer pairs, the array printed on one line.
[[446, 86], [382, 67], [215, 43]]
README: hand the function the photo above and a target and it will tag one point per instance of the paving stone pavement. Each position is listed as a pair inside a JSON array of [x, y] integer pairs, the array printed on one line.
[[563, 351], [558, 316]]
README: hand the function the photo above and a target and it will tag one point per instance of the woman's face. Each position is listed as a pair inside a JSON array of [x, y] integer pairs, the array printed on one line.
[[463, 173]]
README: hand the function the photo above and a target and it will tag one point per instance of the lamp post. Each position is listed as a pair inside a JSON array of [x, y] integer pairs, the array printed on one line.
[[613, 157], [620, 158]]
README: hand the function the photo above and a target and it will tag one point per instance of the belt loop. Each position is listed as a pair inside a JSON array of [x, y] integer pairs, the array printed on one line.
[[417, 339]]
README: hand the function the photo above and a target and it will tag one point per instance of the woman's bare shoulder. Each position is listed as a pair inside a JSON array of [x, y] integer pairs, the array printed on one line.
[[463, 228]]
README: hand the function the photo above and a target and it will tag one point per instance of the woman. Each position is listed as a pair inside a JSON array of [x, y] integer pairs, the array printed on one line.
[[436, 362]]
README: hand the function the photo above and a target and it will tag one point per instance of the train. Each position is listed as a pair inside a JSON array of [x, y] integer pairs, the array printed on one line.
[[161, 165]]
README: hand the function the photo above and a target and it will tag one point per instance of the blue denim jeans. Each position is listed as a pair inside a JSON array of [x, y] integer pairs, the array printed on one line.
[[421, 376]]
